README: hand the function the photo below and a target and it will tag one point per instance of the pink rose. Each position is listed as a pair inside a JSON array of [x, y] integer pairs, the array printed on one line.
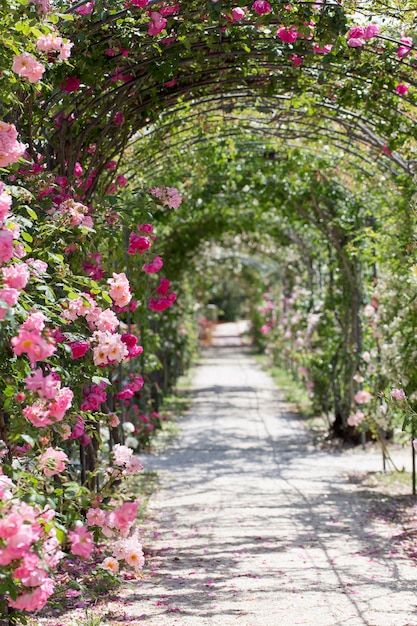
[[85, 9], [362, 396], [10, 149], [53, 462], [137, 243], [27, 66], [79, 348], [157, 24], [401, 89], [261, 7], [398, 394], [287, 34], [237, 14], [6, 245], [81, 540], [153, 266], [71, 84]]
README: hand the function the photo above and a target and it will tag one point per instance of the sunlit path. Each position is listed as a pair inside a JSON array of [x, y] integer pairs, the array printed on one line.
[[258, 529]]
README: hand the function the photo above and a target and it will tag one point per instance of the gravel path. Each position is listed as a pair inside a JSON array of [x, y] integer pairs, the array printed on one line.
[[253, 527]]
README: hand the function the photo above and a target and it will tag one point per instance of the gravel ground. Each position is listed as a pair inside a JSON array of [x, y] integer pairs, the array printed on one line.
[[252, 526]]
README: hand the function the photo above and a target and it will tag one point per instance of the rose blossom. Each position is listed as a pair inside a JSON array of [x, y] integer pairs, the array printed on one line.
[[5, 203], [6, 245], [16, 276], [78, 349], [10, 149], [27, 66], [138, 243], [288, 34], [398, 394], [401, 89], [157, 24], [53, 462], [110, 564], [120, 289], [82, 543], [10, 297], [362, 396], [261, 7], [153, 266]]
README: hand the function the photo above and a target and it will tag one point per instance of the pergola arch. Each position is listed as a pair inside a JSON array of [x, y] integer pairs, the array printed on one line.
[[350, 90]]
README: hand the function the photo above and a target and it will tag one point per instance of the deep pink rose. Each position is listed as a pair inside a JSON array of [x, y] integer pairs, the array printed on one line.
[[71, 84], [79, 348]]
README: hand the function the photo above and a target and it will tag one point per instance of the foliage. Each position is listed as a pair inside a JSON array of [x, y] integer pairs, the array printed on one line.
[[304, 185]]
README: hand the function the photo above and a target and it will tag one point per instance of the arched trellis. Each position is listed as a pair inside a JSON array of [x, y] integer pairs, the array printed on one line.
[[232, 116], [209, 54], [137, 96]]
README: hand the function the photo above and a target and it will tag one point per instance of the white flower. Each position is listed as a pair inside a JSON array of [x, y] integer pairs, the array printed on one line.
[[132, 442]]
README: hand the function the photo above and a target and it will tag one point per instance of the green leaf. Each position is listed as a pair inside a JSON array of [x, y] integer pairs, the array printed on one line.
[[27, 237], [9, 391], [49, 294], [28, 439], [106, 297], [31, 213], [58, 258], [96, 380]]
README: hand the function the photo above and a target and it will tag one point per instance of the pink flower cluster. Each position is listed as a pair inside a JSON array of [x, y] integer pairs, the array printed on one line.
[[120, 291], [162, 303], [94, 396], [82, 541], [117, 521], [86, 8], [157, 24], [136, 383], [78, 432], [398, 394], [406, 46], [30, 341], [27, 66], [6, 245], [358, 35], [261, 7], [362, 396], [288, 34], [5, 483], [5, 203], [166, 299], [15, 277], [50, 42], [169, 196], [93, 267], [10, 149], [138, 243], [52, 402], [52, 461], [125, 464], [79, 349], [130, 550], [29, 549], [153, 266], [109, 349], [85, 306], [356, 418], [237, 14], [402, 89], [130, 342], [74, 214]]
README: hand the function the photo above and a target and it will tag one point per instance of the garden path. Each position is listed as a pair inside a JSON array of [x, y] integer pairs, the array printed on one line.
[[253, 526]]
